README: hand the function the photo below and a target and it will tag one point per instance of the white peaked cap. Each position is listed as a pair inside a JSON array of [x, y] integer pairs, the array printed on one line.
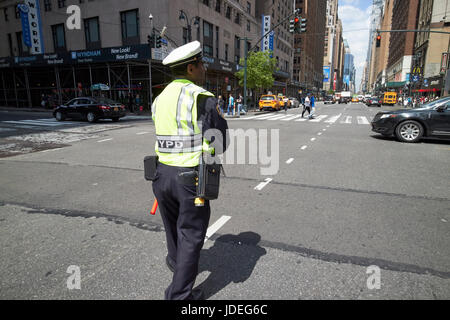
[[184, 54]]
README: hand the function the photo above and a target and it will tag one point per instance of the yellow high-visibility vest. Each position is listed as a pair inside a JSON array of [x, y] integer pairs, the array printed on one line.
[[179, 140]]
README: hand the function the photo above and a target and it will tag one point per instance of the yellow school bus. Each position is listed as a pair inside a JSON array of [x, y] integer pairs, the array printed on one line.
[[390, 98]]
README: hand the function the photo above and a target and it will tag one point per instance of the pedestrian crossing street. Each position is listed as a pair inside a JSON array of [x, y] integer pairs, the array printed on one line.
[[360, 120]]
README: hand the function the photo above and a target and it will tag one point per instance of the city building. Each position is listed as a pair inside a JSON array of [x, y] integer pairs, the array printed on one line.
[[329, 62], [375, 17], [276, 12], [401, 46], [339, 57], [380, 55], [309, 46], [110, 46], [431, 50], [349, 69]]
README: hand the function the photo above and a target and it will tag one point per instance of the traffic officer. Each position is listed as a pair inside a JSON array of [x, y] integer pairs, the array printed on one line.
[[182, 114]]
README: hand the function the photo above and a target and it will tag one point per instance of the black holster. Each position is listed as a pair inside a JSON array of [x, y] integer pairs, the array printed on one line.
[[208, 181], [150, 164]]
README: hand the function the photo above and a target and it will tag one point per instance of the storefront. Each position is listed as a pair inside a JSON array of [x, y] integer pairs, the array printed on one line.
[[430, 88], [63, 76], [220, 77]]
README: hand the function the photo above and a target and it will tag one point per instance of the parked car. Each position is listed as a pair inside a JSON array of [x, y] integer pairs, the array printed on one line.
[[374, 101], [294, 102], [90, 109], [410, 125], [270, 103]]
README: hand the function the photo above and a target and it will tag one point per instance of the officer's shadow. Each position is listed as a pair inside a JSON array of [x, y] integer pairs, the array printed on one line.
[[231, 259]]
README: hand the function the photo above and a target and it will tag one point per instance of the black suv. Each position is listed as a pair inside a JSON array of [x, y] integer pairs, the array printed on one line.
[[410, 125]]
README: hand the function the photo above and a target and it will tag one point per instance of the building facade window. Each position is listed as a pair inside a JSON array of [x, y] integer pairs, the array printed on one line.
[[11, 50], [217, 42], [237, 18], [47, 5], [226, 51], [249, 8], [5, 13], [59, 37], [228, 12], [208, 39], [130, 27], [61, 3], [218, 5], [237, 50], [92, 33], [206, 2]]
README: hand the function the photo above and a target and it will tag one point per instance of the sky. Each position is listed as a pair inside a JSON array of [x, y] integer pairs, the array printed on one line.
[[355, 17]]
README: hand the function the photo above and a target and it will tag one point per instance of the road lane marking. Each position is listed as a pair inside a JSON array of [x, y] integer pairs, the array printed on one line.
[[363, 120], [277, 118], [261, 186], [290, 161], [104, 140], [313, 139], [49, 150], [348, 120], [304, 147], [333, 119], [319, 134], [319, 118], [301, 120], [291, 118], [267, 117], [216, 226], [141, 133], [324, 129]]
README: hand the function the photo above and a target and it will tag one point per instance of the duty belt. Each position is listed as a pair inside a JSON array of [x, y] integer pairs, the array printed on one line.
[[180, 144]]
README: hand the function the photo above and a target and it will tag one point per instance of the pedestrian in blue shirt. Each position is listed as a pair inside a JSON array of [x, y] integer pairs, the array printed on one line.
[[230, 105]]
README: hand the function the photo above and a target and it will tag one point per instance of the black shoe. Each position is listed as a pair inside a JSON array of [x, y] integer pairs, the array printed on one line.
[[197, 294], [171, 268]]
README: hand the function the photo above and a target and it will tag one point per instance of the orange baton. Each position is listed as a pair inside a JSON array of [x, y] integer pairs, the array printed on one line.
[[155, 206]]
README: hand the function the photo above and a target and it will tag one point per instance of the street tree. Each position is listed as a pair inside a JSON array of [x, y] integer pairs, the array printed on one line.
[[260, 69]]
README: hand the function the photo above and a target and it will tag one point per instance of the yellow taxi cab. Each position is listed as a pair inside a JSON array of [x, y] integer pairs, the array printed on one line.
[[390, 98], [355, 99], [269, 102]]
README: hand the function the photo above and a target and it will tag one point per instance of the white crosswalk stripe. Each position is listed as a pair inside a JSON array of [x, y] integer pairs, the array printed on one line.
[[348, 120], [39, 123], [333, 119], [363, 120], [320, 118]]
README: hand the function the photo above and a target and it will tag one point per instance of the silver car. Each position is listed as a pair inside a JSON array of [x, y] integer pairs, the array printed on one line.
[[294, 102]]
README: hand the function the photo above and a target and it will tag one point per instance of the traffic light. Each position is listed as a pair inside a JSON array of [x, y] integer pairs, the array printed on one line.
[[303, 25], [292, 26], [158, 41], [378, 41], [150, 41], [297, 25]]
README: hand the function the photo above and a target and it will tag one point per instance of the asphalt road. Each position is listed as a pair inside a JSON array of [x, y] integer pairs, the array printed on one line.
[[341, 200]]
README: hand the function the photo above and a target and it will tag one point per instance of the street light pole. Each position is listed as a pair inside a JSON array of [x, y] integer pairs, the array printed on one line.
[[194, 20]]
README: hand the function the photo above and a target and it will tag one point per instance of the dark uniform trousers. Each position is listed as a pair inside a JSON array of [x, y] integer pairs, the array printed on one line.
[[185, 225]]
